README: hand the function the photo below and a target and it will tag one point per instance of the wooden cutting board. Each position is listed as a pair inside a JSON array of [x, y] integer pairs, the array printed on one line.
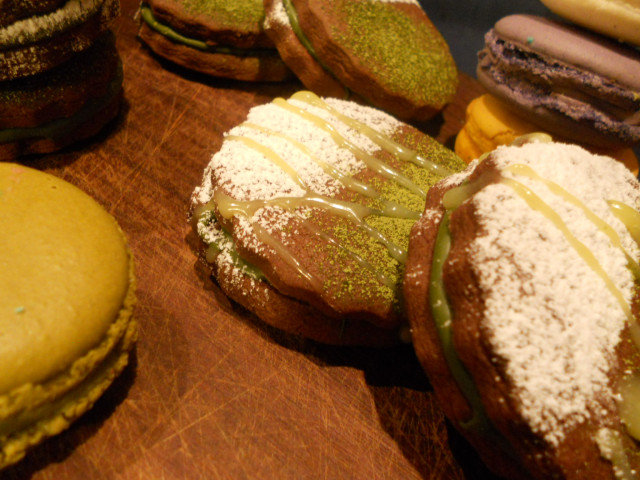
[[211, 393]]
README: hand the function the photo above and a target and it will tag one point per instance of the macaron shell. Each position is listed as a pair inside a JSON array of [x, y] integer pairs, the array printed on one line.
[[488, 124], [66, 275], [518, 66], [618, 19], [573, 46]]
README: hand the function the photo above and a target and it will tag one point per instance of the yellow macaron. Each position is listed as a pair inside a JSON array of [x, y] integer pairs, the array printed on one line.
[[66, 302], [489, 124]]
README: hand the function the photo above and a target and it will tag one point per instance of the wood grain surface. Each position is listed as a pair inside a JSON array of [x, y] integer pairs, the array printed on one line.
[[211, 393]]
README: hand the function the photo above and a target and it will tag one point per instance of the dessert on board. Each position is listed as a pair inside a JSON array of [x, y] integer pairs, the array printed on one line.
[[521, 292], [305, 213]]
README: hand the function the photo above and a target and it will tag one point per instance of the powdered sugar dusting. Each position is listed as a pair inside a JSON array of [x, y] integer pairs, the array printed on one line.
[[277, 15], [549, 316], [36, 28], [246, 174]]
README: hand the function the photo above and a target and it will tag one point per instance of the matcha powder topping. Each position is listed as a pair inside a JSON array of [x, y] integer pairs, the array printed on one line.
[[407, 51], [228, 12]]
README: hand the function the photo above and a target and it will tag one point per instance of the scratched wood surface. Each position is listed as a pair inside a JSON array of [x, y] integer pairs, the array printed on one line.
[[211, 393]]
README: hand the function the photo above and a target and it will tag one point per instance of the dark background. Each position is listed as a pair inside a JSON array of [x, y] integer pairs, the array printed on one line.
[[463, 23]]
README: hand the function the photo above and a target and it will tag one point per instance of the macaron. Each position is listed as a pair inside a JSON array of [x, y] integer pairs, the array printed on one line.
[[66, 302], [37, 36], [618, 19], [218, 38], [521, 292], [568, 81], [387, 53], [48, 111], [489, 123], [305, 212]]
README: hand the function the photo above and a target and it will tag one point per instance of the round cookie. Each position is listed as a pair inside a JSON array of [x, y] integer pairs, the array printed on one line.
[[619, 19], [66, 305], [215, 37], [35, 44], [489, 123], [70, 102], [385, 52], [305, 214], [571, 82], [521, 292]]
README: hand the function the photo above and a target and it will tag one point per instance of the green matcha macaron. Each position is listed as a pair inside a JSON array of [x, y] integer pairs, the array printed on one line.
[[66, 302]]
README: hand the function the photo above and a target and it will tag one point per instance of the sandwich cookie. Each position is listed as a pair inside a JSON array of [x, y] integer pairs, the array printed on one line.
[[215, 37], [566, 80], [521, 292], [305, 215], [489, 123], [619, 19], [66, 306], [387, 53], [52, 35], [45, 112]]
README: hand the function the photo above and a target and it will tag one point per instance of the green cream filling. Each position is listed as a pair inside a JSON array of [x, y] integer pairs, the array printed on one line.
[[441, 311], [295, 26], [479, 422], [62, 126], [147, 16], [226, 243]]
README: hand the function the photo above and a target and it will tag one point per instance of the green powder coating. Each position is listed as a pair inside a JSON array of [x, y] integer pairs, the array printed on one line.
[[396, 230], [353, 277], [414, 59], [233, 13]]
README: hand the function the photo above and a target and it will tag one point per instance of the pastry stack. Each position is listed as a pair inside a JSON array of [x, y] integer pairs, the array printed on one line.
[[546, 75], [60, 73]]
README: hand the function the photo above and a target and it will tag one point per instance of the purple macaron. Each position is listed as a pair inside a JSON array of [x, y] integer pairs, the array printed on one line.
[[569, 81]]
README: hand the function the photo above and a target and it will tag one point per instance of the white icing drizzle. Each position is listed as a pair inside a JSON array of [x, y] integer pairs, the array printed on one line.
[[551, 319], [294, 159]]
